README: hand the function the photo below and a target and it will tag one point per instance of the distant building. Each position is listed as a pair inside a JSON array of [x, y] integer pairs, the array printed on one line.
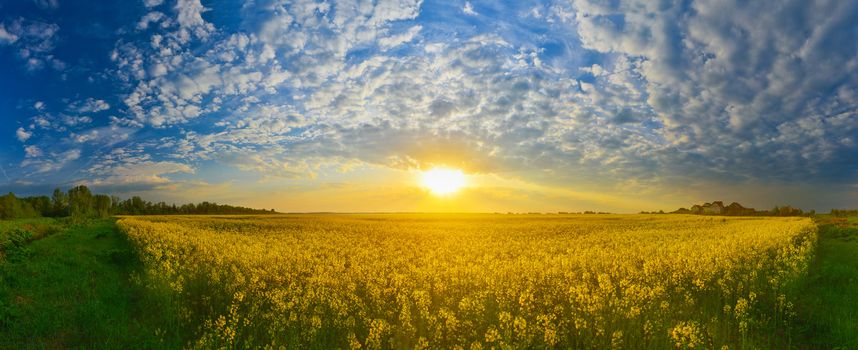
[[736, 209], [696, 209], [717, 208], [714, 208]]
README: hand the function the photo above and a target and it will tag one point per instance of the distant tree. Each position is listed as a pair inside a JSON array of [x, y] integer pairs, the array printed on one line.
[[115, 202], [102, 205], [41, 205], [60, 203], [8, 207], [81, 204], [13, 208], [138, 206]]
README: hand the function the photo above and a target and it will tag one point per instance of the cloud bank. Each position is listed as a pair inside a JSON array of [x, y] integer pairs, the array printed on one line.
[[674, 100]]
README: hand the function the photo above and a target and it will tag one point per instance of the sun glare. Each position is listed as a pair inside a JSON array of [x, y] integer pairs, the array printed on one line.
[[442, 181]]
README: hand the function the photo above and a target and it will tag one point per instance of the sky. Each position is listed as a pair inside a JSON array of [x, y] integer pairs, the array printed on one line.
[[307, 105]]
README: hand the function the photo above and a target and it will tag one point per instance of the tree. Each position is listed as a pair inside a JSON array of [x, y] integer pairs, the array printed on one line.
[[103, 205], [13, 208], [8, 208], [80, 202], [60, 203], [138, 206], [40, 204]]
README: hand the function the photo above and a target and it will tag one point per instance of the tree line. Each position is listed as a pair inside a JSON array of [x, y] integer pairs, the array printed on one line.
[[842, 213], [80, 202]]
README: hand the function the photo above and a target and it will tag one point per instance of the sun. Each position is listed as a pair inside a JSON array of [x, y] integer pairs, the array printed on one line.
[[443, 181]]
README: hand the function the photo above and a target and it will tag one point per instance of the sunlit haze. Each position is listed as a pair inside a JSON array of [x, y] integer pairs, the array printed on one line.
[[442, 181]]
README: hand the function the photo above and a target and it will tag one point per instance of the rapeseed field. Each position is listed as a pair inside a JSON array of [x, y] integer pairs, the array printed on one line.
[[476, 281]]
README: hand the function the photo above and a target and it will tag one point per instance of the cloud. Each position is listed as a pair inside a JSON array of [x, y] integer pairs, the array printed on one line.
[[387, 43], [152, 3], [151, 17], [191, 20], [48, 4], [33, 36], [54, 162], [485, 103], [469, 9], [105, 136], [619, 97], [33, 40], [131, 171], [90, 105], [5, 36], [184, 84], [738, 89], [23, 135], [32, 151], [76, 120]]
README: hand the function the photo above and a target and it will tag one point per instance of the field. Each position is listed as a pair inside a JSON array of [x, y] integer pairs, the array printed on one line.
[[475, 281]]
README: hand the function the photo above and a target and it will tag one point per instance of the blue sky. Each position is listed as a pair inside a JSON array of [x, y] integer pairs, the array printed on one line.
[[336, 105]]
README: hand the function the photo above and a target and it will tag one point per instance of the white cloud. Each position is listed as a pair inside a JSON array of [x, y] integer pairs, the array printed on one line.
[[41, 37], [76, 120], [674, 92], [33, 41], [106, 136], [152, 3], [488, 103], [241, 65], [39, 105], [151, 17], [126, 168], [54, 162], [738, 89], [6, 37], [387, 43], [32, 151], [23, 135], [90, 105], [469, 9], [191, 20]]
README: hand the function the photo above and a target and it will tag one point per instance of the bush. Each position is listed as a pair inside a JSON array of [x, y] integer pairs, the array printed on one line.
[[15, 238]]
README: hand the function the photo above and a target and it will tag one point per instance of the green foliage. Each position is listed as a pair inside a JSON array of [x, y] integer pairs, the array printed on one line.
[[40, 204], [842, 213], [13, 208], [102, 206], [59, 203], [76, 290], [15, 238], [828, 303], [16, 234], [137, 206], [81, 203]]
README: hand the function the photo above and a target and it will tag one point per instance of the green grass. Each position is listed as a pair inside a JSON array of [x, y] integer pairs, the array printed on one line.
[[6, 225], [828, 301], [73, 290]]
